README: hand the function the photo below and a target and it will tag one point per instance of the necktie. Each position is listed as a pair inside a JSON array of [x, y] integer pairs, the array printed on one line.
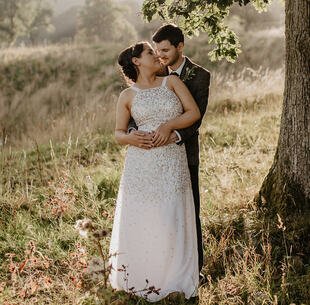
[[174, 73]]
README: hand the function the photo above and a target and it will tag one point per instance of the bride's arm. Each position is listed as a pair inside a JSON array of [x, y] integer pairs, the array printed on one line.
[[190, 115], [135, 138]]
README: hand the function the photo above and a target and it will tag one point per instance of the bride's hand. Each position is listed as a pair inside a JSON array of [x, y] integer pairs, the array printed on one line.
[[140, 139], [162, 135]]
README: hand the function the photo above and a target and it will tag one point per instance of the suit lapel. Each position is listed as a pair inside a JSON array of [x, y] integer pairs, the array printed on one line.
[[188, 65]]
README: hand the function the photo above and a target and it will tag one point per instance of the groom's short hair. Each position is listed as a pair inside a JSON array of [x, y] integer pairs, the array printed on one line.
[[169, 32]]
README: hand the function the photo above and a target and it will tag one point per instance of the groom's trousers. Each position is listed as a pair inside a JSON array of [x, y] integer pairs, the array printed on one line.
[[194, 172]]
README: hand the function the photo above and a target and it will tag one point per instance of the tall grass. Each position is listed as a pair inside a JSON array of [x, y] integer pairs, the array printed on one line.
[[53, 92], [46, 189], [62, 91], [70, 169]]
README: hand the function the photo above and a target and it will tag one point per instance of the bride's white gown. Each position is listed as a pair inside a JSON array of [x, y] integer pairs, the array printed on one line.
[[154, 230]]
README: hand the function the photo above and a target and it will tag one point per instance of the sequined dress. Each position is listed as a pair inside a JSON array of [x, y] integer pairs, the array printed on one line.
[[153, 240]]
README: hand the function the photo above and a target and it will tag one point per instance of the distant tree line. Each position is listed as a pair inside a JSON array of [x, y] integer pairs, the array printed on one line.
[[23, 19], [104, 20], [30, 21]]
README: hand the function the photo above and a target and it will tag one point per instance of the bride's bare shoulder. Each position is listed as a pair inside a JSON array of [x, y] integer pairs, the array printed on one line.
[[126, 94], [173, 78], [173, 81]]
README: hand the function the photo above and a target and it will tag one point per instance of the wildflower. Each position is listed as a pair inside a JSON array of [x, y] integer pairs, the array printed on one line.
[[189, 74], [100, 234], [84, 226]]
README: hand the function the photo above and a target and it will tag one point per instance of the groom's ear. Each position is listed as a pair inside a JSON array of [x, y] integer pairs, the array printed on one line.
[[180, 47]]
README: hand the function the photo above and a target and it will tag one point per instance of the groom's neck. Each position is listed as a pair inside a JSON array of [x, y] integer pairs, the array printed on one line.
[[178, 63]]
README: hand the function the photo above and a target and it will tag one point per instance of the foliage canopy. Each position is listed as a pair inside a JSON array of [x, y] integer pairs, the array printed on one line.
[[195, 16]]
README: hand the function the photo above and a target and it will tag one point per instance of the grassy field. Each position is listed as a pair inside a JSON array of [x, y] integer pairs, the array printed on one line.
[[57, 91], [54, 179]]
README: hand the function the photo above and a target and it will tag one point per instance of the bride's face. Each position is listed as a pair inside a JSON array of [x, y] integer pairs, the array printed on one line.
[[168, 53], [148, 59]]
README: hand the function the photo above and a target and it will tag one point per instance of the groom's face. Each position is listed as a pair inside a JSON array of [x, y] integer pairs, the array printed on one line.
[[168, 53]]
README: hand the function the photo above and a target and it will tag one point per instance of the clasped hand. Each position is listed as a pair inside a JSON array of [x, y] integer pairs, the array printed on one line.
[[161, 136]]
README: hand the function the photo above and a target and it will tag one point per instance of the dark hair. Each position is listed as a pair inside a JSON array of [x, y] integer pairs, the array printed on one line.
[[169, 32], [125, 60]]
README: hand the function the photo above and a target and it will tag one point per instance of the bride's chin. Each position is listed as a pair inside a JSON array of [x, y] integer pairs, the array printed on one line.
[[161, 71], [160, 67]]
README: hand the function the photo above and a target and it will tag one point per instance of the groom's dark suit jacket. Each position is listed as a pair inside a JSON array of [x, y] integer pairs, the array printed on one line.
[[197, 80]]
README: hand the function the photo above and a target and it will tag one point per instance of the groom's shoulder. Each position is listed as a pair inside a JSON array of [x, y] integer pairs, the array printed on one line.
[[199, 69]]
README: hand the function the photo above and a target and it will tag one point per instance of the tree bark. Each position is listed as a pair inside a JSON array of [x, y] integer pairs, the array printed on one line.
[[284, 195], [294, 141]]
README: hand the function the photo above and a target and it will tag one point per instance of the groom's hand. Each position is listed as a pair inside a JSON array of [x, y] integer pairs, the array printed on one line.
[[173, 138], [141, 139], [161, 135]]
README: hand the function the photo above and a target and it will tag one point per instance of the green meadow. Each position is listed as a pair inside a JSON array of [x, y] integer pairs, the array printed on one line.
[[59, 164]]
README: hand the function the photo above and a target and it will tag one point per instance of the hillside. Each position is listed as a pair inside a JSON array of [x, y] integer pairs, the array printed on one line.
[[55, 90], [60, 91]]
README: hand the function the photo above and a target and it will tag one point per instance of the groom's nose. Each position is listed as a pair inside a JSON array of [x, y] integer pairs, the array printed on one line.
[[158, 53]]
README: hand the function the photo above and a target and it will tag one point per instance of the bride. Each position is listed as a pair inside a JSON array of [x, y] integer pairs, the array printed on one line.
[[153, 249]]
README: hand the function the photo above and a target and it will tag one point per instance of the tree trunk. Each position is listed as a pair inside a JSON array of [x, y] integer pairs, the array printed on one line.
[[284, 195]]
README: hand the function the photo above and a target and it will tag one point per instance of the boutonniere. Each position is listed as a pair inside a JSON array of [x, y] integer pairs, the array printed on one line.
[[189, 74]]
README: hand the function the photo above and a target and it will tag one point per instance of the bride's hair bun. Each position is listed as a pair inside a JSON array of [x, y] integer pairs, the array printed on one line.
[[128, 68]]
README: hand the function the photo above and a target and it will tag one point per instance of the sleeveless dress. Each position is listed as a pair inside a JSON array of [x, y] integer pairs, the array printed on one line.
[[153, 242]]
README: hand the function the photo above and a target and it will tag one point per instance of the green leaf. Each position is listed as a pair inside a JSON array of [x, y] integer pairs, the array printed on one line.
[[196, 16]]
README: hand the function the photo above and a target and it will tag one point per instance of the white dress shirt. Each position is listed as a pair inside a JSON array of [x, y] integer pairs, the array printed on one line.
[[178, 70]]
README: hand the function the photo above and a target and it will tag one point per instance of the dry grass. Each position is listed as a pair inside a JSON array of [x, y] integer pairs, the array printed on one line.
[[46, 188], [59, 92], [54, 92], [245, 89]]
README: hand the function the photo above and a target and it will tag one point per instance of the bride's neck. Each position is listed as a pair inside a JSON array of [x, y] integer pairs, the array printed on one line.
[[146, 79]]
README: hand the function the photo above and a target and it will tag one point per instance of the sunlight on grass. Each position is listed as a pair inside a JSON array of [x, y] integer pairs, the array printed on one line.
[[64, 165]]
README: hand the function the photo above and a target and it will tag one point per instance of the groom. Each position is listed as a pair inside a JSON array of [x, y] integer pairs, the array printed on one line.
[[169, 41]]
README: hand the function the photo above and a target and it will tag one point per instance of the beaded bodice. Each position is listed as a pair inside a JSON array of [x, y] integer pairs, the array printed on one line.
[[154, 106]]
